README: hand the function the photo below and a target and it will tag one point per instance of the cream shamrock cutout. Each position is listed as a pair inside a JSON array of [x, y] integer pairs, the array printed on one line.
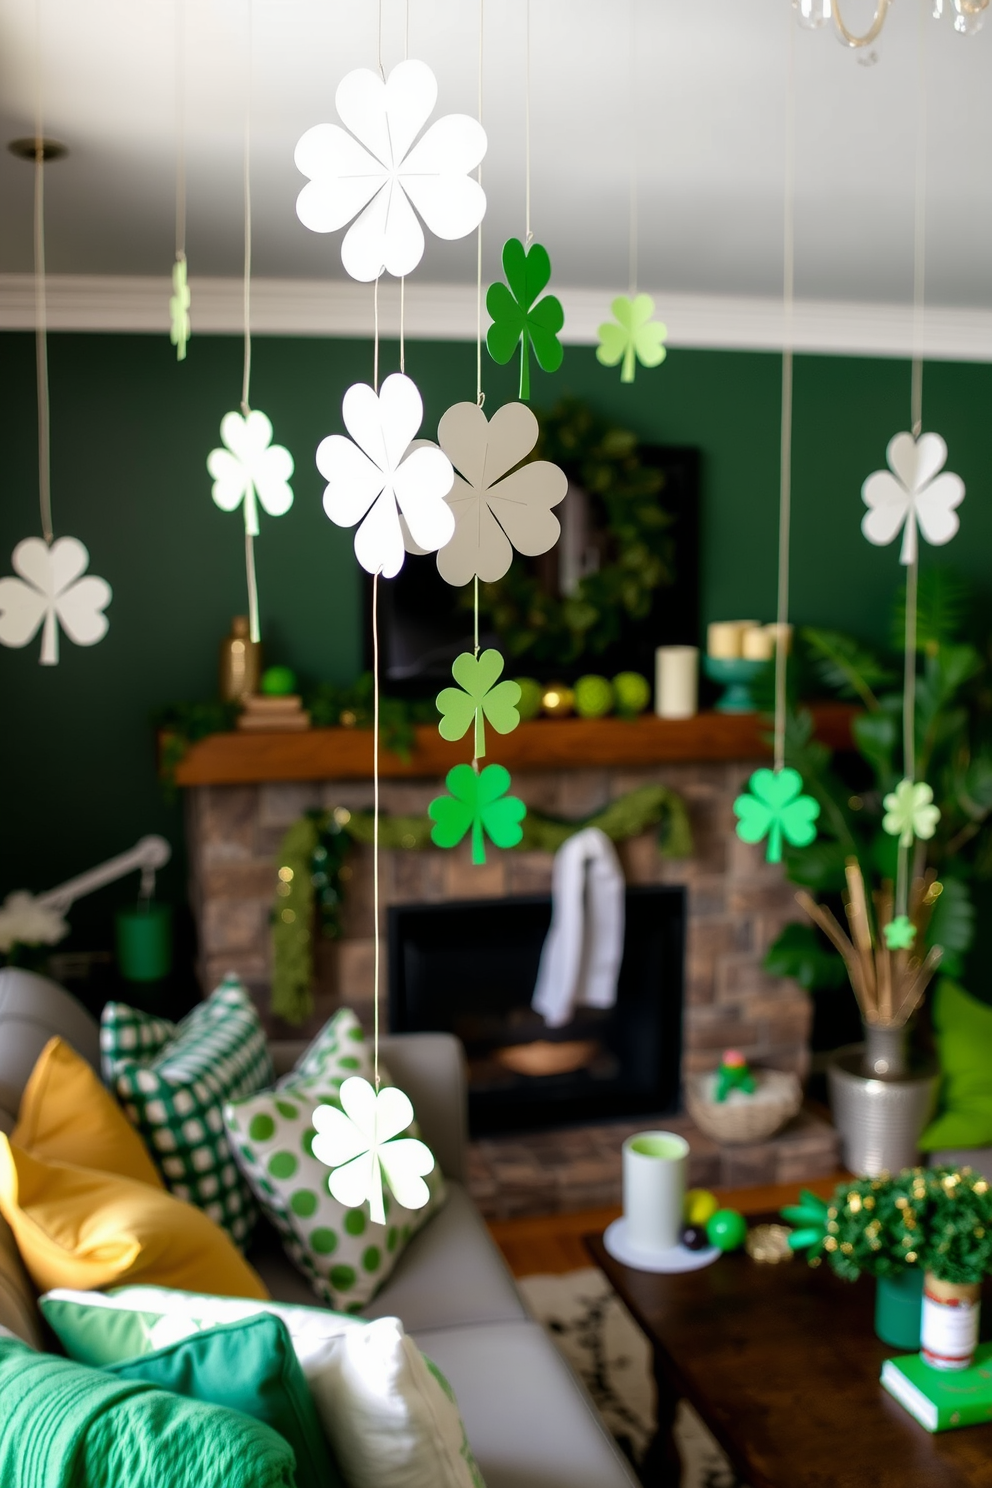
[[631, 336], [378, 173], [361, 1143], [52, 592], [496, 511], [251, 469], [912, 493], [374, 478], [910, 812]]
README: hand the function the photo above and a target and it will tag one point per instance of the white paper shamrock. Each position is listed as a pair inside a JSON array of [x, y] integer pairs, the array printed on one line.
[[496, 512], [912, 492], [910, 812], [369, 479], [374, 171], [52, 591], [362, 1144], [24, 920], [251, 469]]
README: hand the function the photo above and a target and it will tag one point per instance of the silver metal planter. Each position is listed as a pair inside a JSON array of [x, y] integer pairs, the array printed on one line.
[[880, 1106]]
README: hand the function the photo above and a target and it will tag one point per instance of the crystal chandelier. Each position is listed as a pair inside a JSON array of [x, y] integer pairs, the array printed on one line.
[[969, 16]]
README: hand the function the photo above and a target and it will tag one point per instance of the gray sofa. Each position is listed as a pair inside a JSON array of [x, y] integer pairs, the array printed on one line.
[[529, 1420]]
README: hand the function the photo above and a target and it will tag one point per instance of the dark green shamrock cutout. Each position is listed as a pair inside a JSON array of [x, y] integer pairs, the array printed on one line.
[[776, 808], [517, 320], [478, 697], [477, 802]]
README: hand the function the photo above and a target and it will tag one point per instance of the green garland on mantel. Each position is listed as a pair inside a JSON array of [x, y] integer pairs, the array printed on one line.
[[313, 851]]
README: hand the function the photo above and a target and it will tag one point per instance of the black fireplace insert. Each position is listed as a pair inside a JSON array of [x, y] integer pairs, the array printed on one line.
[[470, 969]]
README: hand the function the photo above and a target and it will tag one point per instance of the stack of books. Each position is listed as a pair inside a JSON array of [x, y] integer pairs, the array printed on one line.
[[264, 714], [941, 1399]]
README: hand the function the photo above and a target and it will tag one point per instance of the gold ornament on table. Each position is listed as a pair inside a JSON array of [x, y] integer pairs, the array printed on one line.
[[240, 662], [769, 1243], [557, 700]]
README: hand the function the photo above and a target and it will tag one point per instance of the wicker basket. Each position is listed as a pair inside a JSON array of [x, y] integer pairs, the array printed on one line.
[[776, 1100]]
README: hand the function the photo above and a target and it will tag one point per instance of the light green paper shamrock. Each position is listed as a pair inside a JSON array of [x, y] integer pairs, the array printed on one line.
[[776, 808], [632, 336], [900, 933], [517, 320], [909, 812], [478, 697], [477, 802], [179, 303]]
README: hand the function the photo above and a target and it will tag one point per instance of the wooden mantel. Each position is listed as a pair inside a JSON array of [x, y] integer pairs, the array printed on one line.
[[544, 744]]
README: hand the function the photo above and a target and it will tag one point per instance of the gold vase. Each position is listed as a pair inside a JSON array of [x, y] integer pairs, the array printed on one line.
[[240, 662]]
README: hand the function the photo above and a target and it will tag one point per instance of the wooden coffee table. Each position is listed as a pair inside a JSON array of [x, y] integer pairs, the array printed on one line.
[[782, 1363]]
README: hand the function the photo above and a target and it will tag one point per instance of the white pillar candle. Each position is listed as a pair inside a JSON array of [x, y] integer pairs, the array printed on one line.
[[786, 631], [757, 643], [654, 1169], [723, 638], [676, 681]]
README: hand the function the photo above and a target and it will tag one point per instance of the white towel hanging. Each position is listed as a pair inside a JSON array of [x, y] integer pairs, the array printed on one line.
[[581, 956]]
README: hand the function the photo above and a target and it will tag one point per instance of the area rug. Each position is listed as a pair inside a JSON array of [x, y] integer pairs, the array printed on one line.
[[609, 1353]]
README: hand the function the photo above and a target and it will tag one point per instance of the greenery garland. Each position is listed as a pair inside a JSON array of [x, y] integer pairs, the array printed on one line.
[[606, 462], [313, 851]]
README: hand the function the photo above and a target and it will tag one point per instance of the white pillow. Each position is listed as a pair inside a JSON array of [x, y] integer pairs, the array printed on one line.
[[389, 1414]]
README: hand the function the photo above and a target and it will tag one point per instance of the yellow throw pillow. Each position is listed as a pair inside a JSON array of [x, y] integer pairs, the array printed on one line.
[[67, 1115], [77, 1227]]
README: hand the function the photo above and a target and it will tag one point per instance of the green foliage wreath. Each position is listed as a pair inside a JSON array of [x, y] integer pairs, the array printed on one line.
[[606, 462]]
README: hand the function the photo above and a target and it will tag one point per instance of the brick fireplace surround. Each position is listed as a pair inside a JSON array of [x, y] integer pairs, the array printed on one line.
[[736, 905]]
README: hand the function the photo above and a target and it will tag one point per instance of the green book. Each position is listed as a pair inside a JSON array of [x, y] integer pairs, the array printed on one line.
[[941, 1399]]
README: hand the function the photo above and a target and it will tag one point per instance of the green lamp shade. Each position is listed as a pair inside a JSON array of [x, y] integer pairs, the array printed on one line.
[[898, 1309], [144, 943]]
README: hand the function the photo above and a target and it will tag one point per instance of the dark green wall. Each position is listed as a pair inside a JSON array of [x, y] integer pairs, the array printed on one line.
[[131, 431]]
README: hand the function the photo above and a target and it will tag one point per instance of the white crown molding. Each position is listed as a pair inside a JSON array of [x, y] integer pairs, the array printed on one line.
[[439, 312]]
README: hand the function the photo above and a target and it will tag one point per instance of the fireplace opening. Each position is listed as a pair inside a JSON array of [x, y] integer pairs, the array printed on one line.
[[470, 969]]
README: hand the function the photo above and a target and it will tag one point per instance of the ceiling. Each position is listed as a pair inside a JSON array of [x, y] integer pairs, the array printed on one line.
[[704, 116]]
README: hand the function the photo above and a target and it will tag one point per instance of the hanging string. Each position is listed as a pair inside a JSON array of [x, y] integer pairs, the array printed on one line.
[[180, 131], [785, 442], [632, 224], [254, 628], [406, 33], [479, 395], [375, 824], [402, 322], [528, 235], [378, 45], [41, 302], [375, 334]]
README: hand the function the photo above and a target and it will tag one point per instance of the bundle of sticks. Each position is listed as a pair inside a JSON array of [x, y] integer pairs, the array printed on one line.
[[887, 983]]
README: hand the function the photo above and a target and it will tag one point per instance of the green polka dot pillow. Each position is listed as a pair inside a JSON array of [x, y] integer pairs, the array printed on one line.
[[345, 1257], [173, 1079]]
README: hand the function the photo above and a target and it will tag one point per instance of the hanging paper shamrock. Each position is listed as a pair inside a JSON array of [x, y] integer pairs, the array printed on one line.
[[51, 592], [776, 808], [632, 336], [359, 1142], [477, 697], [379, 478], [250, 469], [179, 303], [478, 802], [377, 171], [517, 320], [909, 812], [900, 933], [912, 493], [496, 512]]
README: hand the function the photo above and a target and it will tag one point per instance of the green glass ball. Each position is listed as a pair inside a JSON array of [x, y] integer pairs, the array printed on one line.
[[593, 697], [531, 692], [278, 681], [726, 1229], [633, 693]]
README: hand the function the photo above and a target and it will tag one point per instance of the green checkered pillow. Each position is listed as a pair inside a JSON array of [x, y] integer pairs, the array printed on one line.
[[345, 1257], [173, 1079]]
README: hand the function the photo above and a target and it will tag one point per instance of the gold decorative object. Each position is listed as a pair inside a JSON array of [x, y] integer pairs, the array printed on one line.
[[274, 715], [240, 662], [557, 700], [768, 1243]]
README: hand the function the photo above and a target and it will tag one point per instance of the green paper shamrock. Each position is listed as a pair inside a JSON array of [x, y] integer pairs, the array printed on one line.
[[811, 1215], [631, 336], [477, 801], [775, 809], [517, 320], [900, 933], [179, 303], [478, 697], [909, 812]]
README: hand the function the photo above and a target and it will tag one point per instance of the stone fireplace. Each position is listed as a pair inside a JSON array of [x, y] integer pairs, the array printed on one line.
[[736, 904]]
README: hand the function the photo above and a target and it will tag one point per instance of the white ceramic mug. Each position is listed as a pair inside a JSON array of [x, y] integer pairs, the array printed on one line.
[[654, 1171]]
